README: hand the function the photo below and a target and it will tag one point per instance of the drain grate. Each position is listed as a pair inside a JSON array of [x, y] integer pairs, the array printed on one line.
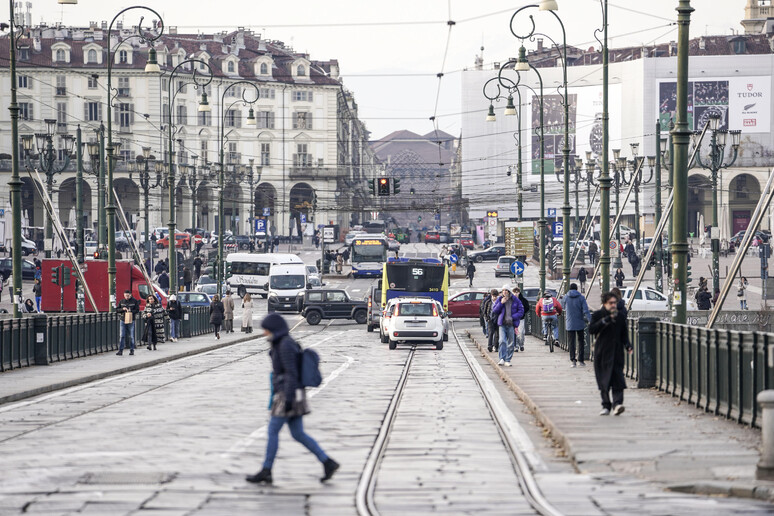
[[127, 477]]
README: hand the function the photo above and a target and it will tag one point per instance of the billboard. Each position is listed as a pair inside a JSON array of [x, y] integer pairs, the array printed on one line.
[[743, 103]]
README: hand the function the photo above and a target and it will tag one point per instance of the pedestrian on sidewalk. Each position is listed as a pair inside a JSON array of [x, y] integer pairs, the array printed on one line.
[[704, 299], [521, 334], [247, 314], [619, 278], [470, 271], [509, 313], [127, 308], [549, 308], [37, 291], [175, 312], [153, 316], [741, 293], [339, 262], [216, 314], [492, 328], [197, 263], [582, 277], [288, 400], [612, 337], [577, 315], [592, 252], [484, 309], [187, 278], [228, 313], [163, 281]]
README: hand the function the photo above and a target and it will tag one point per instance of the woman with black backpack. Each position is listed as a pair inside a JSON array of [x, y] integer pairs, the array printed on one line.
[[288, 400]]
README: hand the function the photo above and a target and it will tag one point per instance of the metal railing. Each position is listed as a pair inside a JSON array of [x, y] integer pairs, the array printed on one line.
[[43, 339]]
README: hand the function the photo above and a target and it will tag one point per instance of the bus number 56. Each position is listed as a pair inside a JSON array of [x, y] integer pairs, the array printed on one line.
[[417, 272]]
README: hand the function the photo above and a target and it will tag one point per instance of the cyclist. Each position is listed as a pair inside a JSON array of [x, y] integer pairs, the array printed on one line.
[[548, 309]]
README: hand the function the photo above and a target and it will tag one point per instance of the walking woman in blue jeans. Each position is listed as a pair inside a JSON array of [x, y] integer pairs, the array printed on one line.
[[288, 401]]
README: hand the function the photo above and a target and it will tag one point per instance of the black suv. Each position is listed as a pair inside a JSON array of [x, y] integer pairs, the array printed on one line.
[[332, 304], [241, 242], [492, 253]]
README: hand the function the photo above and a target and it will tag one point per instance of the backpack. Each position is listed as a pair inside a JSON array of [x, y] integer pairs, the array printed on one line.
[[310, 368], [548, 305]]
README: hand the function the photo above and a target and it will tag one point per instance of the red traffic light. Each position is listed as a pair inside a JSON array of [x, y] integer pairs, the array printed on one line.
[[383, 181]]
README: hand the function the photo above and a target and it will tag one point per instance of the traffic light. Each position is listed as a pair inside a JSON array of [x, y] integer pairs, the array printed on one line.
[[396, 186], [66, 272], [56, 275], [314, 201], [228, 271], [412, 192], [384, 187], [96, 255], [372, 186], [688, 274]]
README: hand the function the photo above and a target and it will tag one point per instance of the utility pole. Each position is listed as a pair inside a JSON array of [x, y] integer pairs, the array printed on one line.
[[681, 136]]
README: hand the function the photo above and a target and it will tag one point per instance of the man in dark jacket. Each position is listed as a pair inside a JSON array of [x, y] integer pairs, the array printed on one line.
[[288, 402], [160, 267], [609, 325], [484, 309], [187, 278], [492, 330], [175, 312], [197, 263], [470, 271], [576, 314], [704, 299], [509, 313], [520, 338], [582, 276], [592, 252], [127, 309], [164, 281]]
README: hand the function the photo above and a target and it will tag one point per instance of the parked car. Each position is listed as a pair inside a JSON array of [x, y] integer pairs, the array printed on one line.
[[28, 269], [503, 267], [28, 247], [432, 237], [211, 289], [737, 238], [415, 320], [241, 242], [312, 272], [466, 241], [646, 298], [445, 237], [182, 241], [332, 304], [491, 253], [466, 304], [532, 294], [194, 299]]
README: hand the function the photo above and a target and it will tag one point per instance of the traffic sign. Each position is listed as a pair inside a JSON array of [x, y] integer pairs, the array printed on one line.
[[328, 235], [552, 212], [197, 238], [558, 229], [492, 222], [303, 218], [613, 244], [260, 225], [267, 212], [453, 258], [517, 268]]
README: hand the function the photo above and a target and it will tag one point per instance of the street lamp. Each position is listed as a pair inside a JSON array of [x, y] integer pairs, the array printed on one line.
[[152, 66], [221, 176], [716, 161], [50, 161], [522, 65], [576, 177], [551, 6], [198, 80], [142, 166]]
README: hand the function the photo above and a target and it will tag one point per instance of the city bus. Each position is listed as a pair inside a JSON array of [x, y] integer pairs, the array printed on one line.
[[375, 227], [427, 277], [368, 254]]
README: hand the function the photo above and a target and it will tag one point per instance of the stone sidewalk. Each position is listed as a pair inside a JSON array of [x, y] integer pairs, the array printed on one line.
[[31, 381], [658, 439]]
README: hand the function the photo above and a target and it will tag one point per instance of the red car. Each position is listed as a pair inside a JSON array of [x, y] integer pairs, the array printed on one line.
[[466, 304], [182, 241], [433, 237], [466, 242]]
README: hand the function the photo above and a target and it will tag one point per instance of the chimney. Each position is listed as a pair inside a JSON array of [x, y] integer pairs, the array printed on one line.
[[36, 44], [173, 29], [540, 44]]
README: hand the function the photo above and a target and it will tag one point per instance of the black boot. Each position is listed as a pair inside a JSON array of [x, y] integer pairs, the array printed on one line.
[[263, 476], [329, 468], [149, 347], [154, 347]]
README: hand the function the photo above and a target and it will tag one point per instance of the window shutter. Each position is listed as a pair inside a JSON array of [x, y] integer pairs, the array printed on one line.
[[131, 113], [309, 117], [30, 110], [86, 111], [238, 117], [99, 109], [310, 96], [117, 114]]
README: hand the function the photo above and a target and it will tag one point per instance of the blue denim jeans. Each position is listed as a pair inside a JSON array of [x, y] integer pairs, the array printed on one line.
[[127, 332], [37, 302], [506, 343], [519, 339], [554, 323], [174, 328], [486, 328], [296, 426]]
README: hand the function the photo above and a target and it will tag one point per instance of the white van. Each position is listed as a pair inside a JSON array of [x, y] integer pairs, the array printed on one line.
[[286, 282], [250, 271]]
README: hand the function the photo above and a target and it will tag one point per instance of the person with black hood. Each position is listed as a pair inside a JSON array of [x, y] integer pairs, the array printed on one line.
[[288, 400], [612, 337], [216, 314], [470, 271]]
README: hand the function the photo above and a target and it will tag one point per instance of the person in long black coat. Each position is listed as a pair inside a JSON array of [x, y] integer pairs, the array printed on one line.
[[612, 337], [216, 314]]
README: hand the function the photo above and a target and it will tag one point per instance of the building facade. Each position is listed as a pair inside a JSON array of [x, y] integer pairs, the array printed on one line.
[[307, 149]]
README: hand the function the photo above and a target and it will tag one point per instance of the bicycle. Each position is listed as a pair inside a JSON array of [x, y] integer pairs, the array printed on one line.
[[549, 336]]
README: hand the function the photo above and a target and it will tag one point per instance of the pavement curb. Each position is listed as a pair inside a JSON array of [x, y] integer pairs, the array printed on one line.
[[730, 489], [128, 369], [553, 430]]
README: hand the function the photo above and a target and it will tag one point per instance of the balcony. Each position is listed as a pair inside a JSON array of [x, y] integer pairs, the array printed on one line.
[[124, 92], [313, 173]]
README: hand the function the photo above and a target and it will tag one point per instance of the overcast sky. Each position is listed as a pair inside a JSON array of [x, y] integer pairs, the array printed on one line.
[[391, 51]]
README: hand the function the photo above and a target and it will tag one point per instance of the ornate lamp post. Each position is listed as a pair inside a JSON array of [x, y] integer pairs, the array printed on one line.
[[551, 6], [618, 167], [96, 153], [636, 176], [221, 177], [50, 161], [716, 161], [198, 80], [576, 177], [112, 148], [142, 166]]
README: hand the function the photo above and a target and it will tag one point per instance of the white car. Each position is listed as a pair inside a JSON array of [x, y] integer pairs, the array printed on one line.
[[384, 319], [312, 272], [503, 267], [415, 320], [647, 298], [445, 318]]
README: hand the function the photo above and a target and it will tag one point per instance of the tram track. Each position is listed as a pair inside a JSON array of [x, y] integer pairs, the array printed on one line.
[[171, 363], [512, 436]]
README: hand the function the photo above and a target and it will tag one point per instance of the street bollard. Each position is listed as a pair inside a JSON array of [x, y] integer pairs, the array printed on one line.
[[41, 339], [765, 470], [646, 353]]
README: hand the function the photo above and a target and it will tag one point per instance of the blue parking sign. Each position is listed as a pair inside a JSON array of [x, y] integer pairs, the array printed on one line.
[[260, 225], [267, 212], [558, 228], [552, 212], [303, 218]]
